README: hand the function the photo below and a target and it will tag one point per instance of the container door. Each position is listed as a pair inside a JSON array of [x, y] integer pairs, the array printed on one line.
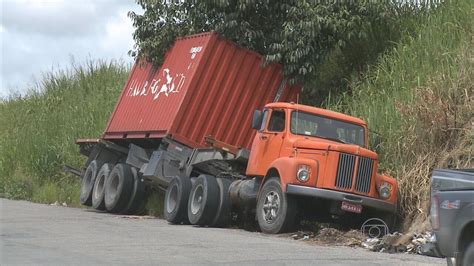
[[267, 142]]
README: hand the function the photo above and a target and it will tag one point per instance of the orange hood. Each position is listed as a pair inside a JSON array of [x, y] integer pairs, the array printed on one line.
[[329, 145]]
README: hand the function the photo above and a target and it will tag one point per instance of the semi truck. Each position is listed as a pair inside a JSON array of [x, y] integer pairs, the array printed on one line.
[[220, 130]]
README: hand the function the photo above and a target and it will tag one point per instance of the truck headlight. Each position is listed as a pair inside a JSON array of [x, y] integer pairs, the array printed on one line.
[[303, 174], [385, 190]]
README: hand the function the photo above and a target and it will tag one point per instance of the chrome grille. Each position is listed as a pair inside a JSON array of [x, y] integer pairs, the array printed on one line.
[[345, 171], [364, 174]]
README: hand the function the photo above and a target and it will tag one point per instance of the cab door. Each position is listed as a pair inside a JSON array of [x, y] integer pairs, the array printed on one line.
[[267, 143]]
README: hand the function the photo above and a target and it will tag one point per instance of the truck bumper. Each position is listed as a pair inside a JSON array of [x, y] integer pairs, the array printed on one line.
[[340, 196], [446, 242]]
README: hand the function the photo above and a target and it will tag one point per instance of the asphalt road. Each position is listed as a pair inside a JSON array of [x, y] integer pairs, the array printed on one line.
[[41, 234]]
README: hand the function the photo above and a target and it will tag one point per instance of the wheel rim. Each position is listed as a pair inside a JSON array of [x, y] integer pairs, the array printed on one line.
[[100, 187], [89, 178], [172, 199], [87, 182], [271, 207], [196, 202], [114, 185]]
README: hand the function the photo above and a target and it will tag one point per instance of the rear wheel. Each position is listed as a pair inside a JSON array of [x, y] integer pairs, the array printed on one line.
[[275, 210], [118, 188], [87, 185], [175, 208], [203, 200], [99, 187], [222, 218], [137, 197]]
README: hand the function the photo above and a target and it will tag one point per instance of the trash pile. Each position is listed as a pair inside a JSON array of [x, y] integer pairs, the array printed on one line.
[[332, 236], [412, 243], [422, 244]]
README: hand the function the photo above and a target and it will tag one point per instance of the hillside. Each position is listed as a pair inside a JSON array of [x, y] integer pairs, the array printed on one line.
[[38, 130], [418, 97], [419, 102]]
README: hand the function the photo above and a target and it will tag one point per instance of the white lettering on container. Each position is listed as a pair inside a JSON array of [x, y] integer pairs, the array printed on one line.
[[194, 50], [171, 84]]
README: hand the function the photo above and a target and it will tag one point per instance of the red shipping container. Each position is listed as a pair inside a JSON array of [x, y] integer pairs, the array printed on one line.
[[206, 86]]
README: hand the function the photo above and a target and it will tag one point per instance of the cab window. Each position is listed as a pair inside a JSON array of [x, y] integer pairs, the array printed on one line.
[[313, 125], [277, 121], [264, 120]]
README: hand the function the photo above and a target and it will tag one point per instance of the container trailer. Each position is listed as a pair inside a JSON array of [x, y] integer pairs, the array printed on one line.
[[219, 130]]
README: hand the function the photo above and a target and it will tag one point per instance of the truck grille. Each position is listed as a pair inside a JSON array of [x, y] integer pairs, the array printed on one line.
[[345, 172], [364, 174]]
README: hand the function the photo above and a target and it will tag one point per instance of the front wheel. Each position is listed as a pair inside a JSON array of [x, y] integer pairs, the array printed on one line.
[[275, 210]]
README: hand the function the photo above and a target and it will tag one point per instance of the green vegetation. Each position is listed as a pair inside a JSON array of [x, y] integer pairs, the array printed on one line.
[[412, 81], [297, 34], [38, 131]]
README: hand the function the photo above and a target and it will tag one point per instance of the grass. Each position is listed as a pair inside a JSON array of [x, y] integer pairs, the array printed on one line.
[[154, 205], [38, 130], [419, 98]]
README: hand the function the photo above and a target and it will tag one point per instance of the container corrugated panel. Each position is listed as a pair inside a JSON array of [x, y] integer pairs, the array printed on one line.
[[206, 86]]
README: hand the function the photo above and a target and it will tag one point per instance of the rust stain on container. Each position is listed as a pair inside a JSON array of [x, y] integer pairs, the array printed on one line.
[[207, 85]]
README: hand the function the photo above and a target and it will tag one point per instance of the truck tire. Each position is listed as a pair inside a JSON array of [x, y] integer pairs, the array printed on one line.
[[175, 208], [88, 180], [137, 197], [391, 221], [222, 218], [118, 188], [275, 210], [99, 187], [468, 256], [203, 200]]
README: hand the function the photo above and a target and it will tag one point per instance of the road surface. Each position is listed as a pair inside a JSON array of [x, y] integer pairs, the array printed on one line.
[[52, 235]]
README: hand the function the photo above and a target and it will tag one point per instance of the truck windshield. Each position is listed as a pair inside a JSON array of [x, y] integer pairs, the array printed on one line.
[[323, 127]]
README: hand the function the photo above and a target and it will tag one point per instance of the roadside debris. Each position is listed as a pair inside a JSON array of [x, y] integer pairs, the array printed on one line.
[[56, 203], [422, 244], [331, 236], [412, 243]]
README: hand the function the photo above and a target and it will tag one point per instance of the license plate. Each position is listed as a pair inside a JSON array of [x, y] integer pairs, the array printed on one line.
[[350, 207]]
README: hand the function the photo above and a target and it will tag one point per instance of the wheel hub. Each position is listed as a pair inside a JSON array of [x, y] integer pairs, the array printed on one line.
[[271, 206], [114, 185], [100, 187], [172, 200], [196, 200]]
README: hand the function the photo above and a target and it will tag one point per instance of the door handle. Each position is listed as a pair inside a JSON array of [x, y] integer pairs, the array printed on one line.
[[263, 137]]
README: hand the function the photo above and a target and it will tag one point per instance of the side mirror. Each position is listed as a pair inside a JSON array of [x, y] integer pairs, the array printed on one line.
[[257, 119]]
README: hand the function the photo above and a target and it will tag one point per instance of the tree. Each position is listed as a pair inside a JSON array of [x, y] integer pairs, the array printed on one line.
[[297, 34]]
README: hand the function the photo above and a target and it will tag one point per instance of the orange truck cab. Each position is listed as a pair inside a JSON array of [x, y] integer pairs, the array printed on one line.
[[306, 151]]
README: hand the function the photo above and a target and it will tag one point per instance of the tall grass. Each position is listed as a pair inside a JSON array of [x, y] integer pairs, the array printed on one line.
[[37, 131], [420, 99], [345, 65]]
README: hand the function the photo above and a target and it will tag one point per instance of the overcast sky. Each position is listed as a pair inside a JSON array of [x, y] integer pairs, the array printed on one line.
[[38, 36]]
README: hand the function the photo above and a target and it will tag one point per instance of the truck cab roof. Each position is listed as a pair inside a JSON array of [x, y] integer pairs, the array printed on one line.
[[317, 111]]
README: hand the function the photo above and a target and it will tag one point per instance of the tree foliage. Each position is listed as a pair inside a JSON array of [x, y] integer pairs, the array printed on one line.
[[298, 34]]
